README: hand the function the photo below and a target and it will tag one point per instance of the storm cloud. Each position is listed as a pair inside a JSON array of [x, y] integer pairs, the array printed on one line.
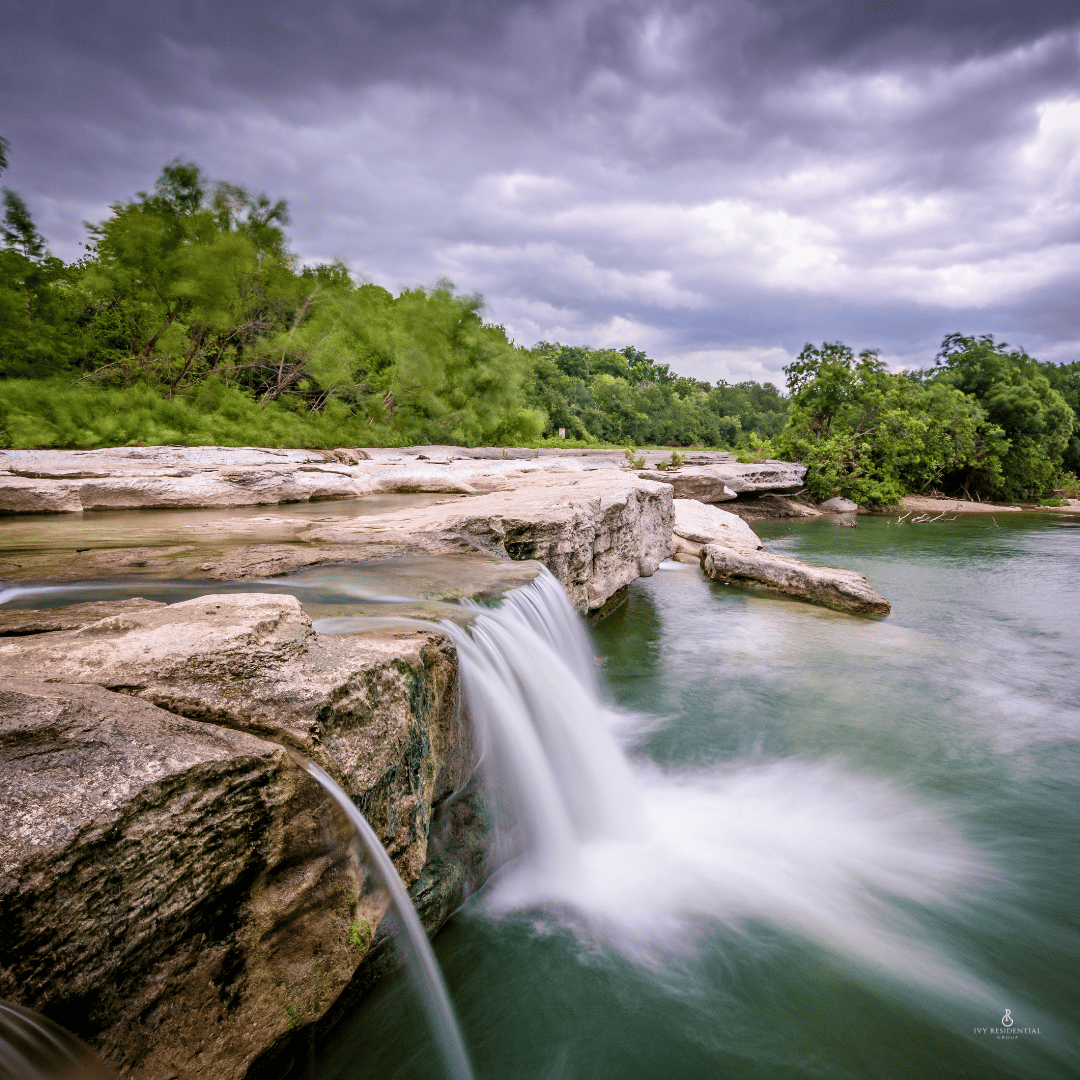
[[715, 183]]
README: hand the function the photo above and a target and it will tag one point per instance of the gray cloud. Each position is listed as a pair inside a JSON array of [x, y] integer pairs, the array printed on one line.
[[716, 182]]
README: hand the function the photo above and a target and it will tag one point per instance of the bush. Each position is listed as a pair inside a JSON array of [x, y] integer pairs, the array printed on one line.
[[44, 413]]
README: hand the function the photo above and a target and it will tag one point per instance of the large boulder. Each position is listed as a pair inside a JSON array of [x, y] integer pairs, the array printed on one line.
[[697, 525], [167, 888], [841, 590], [778, 477], [703, 483], [251, 661], [838, 505], [171, 887], [727, 480]]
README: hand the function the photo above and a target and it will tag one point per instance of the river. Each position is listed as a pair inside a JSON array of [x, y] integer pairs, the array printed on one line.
[[859, 855]]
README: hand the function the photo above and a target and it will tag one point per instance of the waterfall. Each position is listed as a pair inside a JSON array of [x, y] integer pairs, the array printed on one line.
[[647, 859], [555, 771], [33, 1047], [419, 957]]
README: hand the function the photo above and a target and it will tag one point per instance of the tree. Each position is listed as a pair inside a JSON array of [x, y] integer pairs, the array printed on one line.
[[1065, 379], [180, 280], [37, 334], [18, 229], [625, 396], [869, 435], [1029, 422]]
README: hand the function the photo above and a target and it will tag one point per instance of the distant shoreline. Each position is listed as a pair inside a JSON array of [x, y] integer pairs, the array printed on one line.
[[925, 504]]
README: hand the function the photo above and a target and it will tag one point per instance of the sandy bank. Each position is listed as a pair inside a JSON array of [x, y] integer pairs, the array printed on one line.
[[924, 504]]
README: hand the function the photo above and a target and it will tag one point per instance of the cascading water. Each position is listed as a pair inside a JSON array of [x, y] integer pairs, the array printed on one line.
[[646, 858], [419, 958], [33, 1047], [557, 773]]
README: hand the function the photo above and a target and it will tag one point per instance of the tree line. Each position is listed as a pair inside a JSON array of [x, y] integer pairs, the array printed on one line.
[[985, 422], [189, 320], [189, 315]]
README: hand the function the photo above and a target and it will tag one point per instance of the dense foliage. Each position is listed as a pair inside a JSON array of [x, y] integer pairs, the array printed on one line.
[[626, 398], [983, 423], [190, 321]]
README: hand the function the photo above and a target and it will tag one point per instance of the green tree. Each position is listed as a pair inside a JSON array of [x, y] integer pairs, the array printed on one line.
[[625, 396], [180, 280], [18, 229], [1065, 379], [1029, 423], [869, 435], [37, 332], [455, 378]]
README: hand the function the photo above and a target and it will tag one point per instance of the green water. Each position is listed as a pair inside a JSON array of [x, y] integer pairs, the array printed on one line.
[[940, 746]]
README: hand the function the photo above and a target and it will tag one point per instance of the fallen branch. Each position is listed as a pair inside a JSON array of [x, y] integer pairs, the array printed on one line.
[[97, 371]]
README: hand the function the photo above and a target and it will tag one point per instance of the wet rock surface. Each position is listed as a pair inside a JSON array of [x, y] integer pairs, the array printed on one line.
[[597, 527], [596, 532], [173, 888], [70, 617]]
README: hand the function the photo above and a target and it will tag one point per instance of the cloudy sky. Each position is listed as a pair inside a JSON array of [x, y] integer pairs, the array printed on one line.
[[715, 183]]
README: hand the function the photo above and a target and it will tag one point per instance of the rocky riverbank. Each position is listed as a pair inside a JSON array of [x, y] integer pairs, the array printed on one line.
[[174, 889], [595, 524]]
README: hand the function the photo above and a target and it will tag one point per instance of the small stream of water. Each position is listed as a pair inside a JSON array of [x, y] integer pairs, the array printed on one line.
[[420, 961]]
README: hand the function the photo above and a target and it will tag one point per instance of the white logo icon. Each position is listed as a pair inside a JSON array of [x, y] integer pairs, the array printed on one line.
[[1007, 1020]]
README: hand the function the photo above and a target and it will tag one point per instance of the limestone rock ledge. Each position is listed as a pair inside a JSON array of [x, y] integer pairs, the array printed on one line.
[[69, 481], [841, 590], [596, 532], [172, 887]]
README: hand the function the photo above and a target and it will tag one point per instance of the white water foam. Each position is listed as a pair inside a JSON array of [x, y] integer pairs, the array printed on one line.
[[647, 859]]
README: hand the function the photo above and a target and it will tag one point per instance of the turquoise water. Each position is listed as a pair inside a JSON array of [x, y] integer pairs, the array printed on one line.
[[873, 831]]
